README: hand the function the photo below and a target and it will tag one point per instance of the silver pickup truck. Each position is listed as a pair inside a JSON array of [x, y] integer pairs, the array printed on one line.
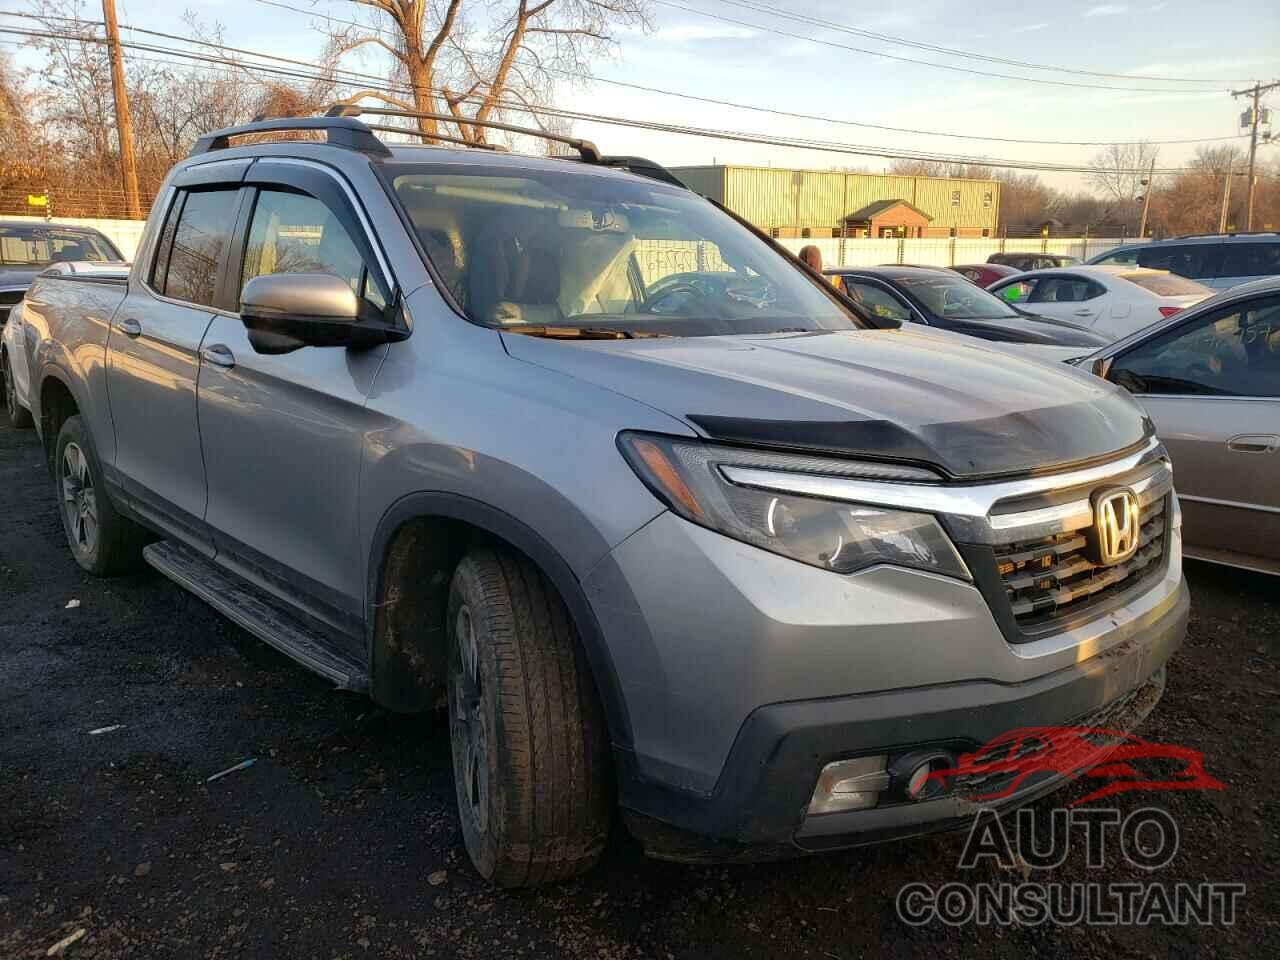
[[670, 524]]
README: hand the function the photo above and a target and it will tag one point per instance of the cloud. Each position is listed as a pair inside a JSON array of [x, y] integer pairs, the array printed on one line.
[[1029, 28], [1106, 10], [697, 32]]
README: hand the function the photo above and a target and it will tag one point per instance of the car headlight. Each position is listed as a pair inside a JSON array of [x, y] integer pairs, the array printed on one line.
[[835, 535]]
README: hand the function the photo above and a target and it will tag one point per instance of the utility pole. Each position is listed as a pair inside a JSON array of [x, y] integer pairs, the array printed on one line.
[[1255, 117], [1146, 200], [1226, 201], [124, 125]]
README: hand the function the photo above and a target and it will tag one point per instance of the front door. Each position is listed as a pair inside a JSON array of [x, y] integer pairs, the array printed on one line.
[[282, 435], [1212, 387], [152, 361]]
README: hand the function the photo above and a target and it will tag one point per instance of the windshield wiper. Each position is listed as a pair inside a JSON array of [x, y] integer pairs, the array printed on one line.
[[580, 333]]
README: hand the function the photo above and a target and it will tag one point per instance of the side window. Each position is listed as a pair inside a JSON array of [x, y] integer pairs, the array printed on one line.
[[1232, 353], [1020, 291], [1195, 261], [1250, 260], [1065, 290], [1125, 258], [160, 265], [877, 301], [203, 232], [296, 233]]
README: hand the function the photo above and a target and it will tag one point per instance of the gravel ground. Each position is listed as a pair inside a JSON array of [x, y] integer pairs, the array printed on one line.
[[341, 841]]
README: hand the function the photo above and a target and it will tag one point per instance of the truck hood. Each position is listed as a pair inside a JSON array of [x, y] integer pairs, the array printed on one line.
[[908, 395]]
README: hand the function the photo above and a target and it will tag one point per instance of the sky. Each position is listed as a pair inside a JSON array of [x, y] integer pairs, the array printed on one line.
[[755, 62]]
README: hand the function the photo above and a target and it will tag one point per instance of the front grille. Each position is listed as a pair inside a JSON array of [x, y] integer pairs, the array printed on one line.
[[7, 300], [1053, 577]]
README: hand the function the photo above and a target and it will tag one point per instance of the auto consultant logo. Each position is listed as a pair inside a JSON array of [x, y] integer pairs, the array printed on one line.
[[1023, 848]]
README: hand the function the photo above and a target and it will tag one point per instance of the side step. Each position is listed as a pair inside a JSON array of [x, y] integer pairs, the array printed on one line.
[[257, 612]]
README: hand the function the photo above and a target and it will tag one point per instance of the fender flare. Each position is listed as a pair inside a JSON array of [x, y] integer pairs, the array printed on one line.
[[426, 504]]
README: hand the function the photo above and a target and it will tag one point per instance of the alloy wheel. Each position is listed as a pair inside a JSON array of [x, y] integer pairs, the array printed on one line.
[[79, 499], [10, 391], [470, 733]]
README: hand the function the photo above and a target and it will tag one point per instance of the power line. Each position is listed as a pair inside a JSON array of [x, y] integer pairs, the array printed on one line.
[[758, 7], [686, 96], [540, 109], [923, 63]]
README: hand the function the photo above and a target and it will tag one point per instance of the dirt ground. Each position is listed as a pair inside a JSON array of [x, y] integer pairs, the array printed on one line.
[[341, 840]]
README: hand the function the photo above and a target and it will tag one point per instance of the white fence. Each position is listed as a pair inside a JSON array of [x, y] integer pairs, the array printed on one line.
[[944, 251], [125, 234], [927, 251]]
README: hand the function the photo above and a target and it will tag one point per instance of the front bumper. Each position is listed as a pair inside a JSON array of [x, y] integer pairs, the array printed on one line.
[[892, 659]]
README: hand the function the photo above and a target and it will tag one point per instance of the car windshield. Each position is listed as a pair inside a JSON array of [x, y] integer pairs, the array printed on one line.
[[577, 253], [36, 245], [1167, 284], [957, 299]]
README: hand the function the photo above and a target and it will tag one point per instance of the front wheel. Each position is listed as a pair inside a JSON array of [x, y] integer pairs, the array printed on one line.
[[101, 540], [530, 754], [19, 416]]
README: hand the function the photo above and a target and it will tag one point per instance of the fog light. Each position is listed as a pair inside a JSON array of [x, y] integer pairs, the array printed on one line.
[[912, 774], [849, 785]]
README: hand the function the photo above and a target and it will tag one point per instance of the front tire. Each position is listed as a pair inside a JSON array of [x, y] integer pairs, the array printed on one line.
[[101, 540], [530, 752], [19, 417]]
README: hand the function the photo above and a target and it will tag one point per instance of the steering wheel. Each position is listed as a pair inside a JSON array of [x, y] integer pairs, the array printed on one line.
[[682, 286]]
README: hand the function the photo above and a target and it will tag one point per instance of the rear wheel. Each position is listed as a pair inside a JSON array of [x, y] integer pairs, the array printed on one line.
[[530, 754], [101, 540], [18, 415]]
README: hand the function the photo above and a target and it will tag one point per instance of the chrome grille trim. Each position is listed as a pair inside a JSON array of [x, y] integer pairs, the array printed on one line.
[[968, 508]]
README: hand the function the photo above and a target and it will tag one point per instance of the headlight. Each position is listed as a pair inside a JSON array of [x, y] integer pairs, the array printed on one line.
[[831, 534]]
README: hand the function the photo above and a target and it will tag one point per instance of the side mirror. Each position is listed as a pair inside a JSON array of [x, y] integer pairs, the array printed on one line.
[[285, 311], [1101, 367]]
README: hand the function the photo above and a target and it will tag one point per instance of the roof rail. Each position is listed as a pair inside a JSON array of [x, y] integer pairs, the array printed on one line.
[[339, 132], [1229, 233], [586, 149]]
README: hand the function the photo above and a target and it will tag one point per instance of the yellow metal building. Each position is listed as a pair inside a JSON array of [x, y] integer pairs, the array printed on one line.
[[823, 203]]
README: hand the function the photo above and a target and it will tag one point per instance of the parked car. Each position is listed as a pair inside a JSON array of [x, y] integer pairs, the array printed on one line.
[[26, 248], [985, 274], [1219, 261], [1210, 379], [744, 568], [1112, 301], [1033, 261], [939, 298]]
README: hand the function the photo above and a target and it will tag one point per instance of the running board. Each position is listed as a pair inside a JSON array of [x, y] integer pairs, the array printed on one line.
[[257, 612]]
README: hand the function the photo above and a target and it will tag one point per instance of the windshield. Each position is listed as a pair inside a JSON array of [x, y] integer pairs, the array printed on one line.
[[37, 245], [574, 253], [956, 298]]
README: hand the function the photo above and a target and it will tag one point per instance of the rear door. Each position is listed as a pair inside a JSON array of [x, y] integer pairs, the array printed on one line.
[[282, 434], [1248, 260], [153, 350], [1212, 387]]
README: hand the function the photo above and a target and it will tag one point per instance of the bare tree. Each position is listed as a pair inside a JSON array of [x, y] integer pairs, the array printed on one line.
[[1118, 170], [475, 60]]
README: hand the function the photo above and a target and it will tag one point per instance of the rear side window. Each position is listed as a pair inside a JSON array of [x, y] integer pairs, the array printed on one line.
[[1196, 261], [1167, 284], [201, 234], [1125, 258], [1065, 290], [1250, 259], [879, 302]]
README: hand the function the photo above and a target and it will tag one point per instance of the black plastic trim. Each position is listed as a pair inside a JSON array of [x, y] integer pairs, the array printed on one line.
[[529, 542]]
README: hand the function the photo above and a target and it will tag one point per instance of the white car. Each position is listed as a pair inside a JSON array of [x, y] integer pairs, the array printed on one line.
[[1115, 301]]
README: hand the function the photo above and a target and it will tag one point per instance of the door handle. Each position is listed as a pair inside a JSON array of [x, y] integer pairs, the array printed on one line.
[[1083, 313], [219, 355], [1254, 443], [130, 328]]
